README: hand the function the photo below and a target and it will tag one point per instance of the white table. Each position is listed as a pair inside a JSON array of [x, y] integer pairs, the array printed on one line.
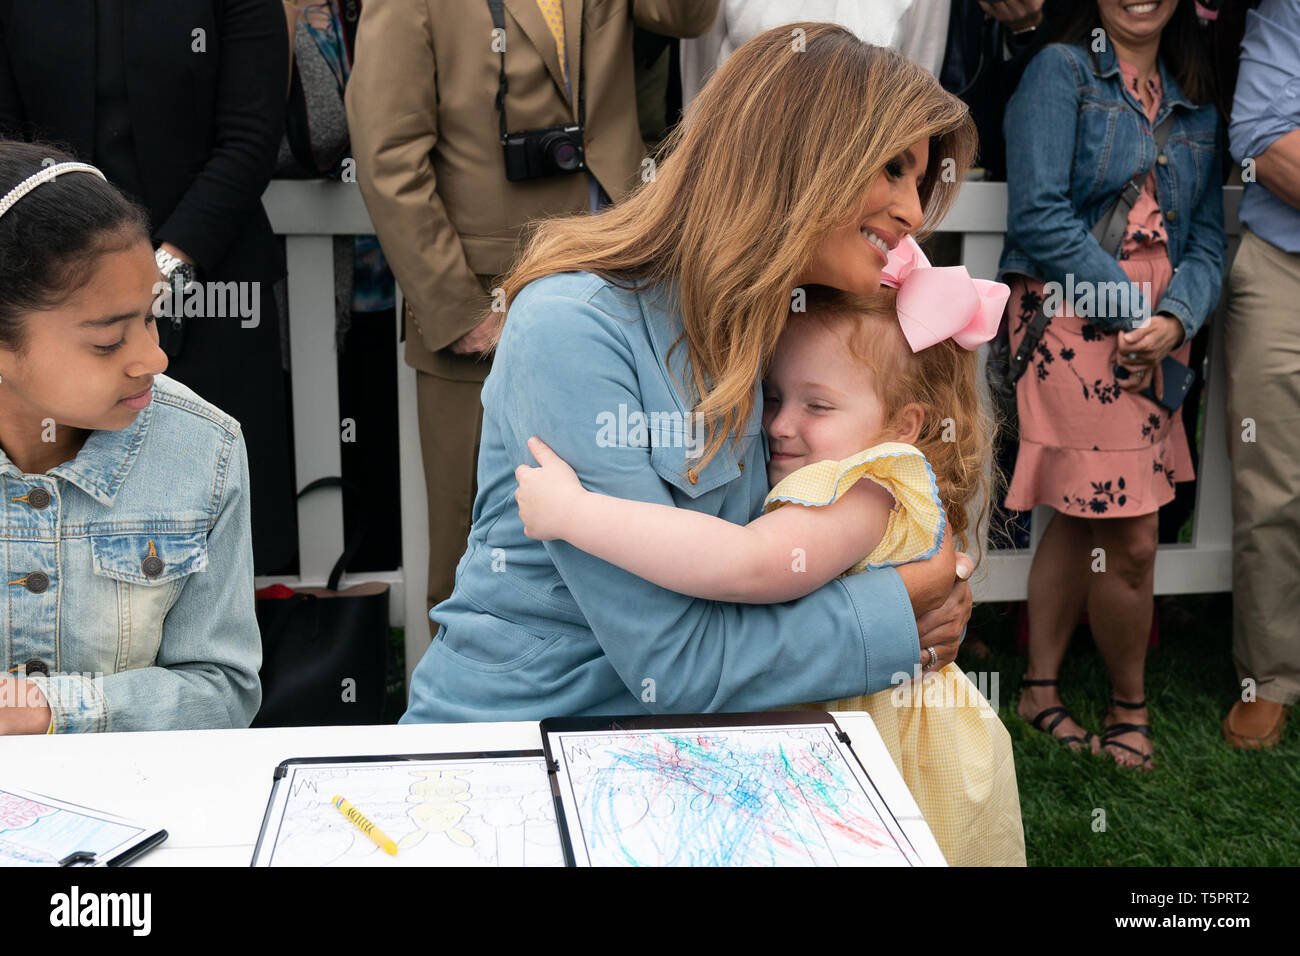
[[209, 788]]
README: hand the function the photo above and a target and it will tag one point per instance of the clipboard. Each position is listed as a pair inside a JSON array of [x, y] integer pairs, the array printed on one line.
[[773, 788], [36, 830], [475, 808]]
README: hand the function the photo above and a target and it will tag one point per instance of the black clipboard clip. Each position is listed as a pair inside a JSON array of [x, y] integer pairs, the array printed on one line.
[[87, 858]]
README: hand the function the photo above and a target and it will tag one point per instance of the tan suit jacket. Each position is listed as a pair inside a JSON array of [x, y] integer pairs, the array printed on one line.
[[426, 138]]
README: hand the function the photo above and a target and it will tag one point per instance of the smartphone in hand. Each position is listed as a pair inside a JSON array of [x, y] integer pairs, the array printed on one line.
[[1177, 380]]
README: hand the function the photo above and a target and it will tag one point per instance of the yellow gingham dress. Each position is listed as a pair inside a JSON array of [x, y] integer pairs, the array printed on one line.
[[949, 745]]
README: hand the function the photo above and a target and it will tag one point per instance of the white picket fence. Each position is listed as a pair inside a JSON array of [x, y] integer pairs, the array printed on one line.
[[308, 214]]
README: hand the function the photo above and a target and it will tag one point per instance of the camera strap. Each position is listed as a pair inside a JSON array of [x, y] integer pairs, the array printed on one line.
[[497, 9]]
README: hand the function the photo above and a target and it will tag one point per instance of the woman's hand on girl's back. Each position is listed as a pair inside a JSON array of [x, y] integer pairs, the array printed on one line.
[[941, 600], [547, 495]]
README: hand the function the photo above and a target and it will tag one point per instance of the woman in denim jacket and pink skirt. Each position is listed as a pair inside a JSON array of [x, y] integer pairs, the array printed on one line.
[[124, 520], [1080, 126]]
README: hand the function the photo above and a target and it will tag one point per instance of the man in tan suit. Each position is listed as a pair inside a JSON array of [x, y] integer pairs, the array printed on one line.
[[426, 135]]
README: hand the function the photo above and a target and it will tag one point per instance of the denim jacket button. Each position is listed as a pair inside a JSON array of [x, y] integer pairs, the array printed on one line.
[[36, 666], [152, 566], [36, 582], [742, 467], [693, 476], [1162, 159], [1171, 215], [38, 498]]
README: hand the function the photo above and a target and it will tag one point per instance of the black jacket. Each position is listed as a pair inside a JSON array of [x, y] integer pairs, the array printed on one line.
[[206, 112]]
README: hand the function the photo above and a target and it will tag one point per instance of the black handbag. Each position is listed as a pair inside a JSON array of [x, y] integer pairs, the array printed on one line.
[[325, 651], [1003, 369]]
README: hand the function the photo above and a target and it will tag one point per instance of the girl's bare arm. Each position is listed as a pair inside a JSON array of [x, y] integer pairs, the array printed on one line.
[[780, 556]]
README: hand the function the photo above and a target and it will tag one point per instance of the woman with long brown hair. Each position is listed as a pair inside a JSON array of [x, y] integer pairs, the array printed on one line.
[[635, 345]]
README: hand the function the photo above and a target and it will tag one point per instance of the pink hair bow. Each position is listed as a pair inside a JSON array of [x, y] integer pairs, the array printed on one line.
[[935, 303]]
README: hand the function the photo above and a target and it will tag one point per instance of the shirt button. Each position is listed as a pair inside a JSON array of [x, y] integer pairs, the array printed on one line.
[[1171, 215], [742, 467], [37, 666], [152, 566], [38, 498], [36, 582], [693, 476], [1162, 159]]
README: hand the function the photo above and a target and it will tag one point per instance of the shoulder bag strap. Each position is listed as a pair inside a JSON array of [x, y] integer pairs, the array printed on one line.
[[352, 537], [1109, 229]]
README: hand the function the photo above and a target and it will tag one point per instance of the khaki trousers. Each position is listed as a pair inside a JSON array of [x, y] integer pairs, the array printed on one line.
[[1262, 349], [450, 413]]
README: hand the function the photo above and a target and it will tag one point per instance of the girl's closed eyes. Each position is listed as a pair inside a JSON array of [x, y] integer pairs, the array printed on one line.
[[820, 399]]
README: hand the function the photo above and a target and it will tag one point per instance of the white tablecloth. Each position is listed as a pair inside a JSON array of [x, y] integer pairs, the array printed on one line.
[[208, 788]]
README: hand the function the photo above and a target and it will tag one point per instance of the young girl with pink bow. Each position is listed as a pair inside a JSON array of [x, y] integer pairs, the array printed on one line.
[[881, 387]]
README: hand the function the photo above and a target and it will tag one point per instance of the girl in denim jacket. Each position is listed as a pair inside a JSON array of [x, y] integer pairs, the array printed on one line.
[[1079, 127], [124, 522]]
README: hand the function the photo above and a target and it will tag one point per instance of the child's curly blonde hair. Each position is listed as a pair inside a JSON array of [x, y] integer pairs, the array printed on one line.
[[957, 433]]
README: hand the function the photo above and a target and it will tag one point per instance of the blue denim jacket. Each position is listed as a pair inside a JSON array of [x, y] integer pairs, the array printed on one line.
[[1075, 135], [536, 629], [143, 609]]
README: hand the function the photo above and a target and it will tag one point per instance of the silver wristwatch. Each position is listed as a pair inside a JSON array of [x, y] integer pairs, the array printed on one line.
[[167, 262], [178, 274]]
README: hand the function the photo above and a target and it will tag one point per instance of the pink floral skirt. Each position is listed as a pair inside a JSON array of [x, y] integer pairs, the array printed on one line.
[[1088, 447]]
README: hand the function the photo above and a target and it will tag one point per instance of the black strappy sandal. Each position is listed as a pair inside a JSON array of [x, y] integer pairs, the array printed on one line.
[[1116, 729], [1062, 714]]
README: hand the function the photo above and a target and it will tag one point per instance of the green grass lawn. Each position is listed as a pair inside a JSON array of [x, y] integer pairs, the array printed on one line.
[[1205, 804]]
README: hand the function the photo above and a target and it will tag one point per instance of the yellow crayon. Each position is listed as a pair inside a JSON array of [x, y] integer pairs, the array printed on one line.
[[365, 826]]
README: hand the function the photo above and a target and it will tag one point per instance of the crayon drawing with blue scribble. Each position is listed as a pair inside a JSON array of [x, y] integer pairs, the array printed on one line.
[[723, 797]]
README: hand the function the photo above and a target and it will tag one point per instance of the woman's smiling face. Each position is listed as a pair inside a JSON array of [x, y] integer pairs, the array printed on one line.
[[852, 255], [1133, 22]]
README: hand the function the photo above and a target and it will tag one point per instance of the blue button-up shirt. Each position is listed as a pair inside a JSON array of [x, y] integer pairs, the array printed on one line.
[[536, 629], [1075, 135], [1265, 107], [131, 578]]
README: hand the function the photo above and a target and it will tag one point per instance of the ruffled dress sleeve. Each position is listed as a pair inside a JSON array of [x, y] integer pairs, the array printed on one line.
[[917, 522]]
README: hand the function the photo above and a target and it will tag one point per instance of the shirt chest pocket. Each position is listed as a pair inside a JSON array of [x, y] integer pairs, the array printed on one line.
[[1195, 161], [679, 464], [1096, 135], [143, 573]]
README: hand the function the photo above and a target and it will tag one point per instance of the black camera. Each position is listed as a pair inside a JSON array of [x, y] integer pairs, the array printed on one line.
[[551, 151]]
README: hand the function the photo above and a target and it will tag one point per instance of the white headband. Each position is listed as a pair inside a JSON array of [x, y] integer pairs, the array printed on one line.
[[44, 176]]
